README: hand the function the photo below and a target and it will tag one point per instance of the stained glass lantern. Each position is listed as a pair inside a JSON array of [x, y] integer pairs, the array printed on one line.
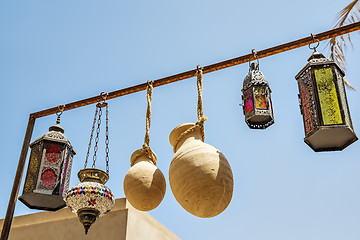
[[48, 174], [90, 198], [257, 106], [323, 104]]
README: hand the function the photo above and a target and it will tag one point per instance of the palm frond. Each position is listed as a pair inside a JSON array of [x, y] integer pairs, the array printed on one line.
[[338, 45]]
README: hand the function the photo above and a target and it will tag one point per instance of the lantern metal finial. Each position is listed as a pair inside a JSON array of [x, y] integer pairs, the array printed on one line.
[[49, 169], [91, 198], [323, 104], [256, 97]]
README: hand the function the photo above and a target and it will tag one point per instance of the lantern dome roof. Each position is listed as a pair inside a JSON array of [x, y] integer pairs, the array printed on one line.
[[55, 134], [254, 77], [317, 59]]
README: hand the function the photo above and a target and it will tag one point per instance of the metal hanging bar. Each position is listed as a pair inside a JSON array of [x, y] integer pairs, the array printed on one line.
[[210, 68], [141, 87]]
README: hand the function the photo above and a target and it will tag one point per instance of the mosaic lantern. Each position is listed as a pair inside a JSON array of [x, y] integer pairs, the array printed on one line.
[[90, 198], [256, 99], [323, 104], [48, 174]]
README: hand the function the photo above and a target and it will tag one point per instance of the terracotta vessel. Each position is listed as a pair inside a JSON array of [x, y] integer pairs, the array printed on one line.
[[144, 183], [200, 176]]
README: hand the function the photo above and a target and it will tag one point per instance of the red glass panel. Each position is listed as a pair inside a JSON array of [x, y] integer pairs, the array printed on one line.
[[48, 178], [248, 101], [53, 154], [306, 107]]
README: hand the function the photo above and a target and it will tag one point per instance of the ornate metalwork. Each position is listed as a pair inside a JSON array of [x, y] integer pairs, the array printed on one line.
[[48, 174], [323, 104], [257, 105]]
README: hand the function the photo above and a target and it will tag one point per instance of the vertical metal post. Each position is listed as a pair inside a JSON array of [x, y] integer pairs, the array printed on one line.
[[17, 181]]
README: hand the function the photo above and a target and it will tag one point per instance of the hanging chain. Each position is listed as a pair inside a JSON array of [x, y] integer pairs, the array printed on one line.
[[146, 146], [97, 135], [97, 119], [107, 140], [91, 137]]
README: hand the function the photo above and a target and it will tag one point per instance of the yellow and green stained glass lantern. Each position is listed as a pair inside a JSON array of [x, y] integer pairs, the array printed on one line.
[[257, 106], [323, 104], [49, 169]]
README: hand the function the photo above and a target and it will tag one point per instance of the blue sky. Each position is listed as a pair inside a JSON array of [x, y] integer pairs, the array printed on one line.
[[55, 52]]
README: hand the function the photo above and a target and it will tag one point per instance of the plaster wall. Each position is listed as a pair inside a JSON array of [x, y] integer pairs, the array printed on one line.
[[122, 223]]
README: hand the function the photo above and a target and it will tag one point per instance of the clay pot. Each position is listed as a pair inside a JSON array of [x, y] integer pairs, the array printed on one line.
[[200, 176], [144, 183]]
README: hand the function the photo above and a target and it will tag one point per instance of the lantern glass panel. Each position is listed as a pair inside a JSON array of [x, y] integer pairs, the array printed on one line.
[[53, 154], [307, 103], [48, 172], [48, 178], [330, 109], [248, 100], [260, 99]]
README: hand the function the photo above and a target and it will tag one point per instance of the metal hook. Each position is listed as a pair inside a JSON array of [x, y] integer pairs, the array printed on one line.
[[198, 69], [150, 83], [104, 103], [314, 40], [253, 54], [104, 96], [60, 110]]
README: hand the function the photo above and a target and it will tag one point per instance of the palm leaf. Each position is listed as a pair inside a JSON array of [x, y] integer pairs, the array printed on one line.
[[338, 45]]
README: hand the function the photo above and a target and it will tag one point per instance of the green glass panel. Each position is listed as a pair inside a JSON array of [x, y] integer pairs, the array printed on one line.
[[330, 109]]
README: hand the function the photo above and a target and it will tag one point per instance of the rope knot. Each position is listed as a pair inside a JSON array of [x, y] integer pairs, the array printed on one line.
[[150, 153], [201, 121]]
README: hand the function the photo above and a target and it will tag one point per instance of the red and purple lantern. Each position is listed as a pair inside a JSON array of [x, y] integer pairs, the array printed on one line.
[[256, 98], [48, 174]]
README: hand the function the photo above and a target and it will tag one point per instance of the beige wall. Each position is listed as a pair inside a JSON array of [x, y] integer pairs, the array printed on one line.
[[122, 223]]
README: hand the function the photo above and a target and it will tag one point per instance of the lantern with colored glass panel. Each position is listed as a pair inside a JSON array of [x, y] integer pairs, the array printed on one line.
[[256, 98], [48, 174], [323, 104]]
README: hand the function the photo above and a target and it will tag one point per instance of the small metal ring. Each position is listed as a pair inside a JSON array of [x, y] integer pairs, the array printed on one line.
[[253, 54], [317, 45], [60, 110], [104, 96], [314, 40]]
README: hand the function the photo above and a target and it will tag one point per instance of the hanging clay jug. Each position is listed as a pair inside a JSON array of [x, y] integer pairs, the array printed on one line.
[[200, 176], [144, 183]]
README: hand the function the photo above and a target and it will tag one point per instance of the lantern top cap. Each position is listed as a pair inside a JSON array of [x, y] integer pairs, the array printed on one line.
[[93, 175], [316, 55], [318, 59], [56, 128], [254, 77], [55, 134], [254, 66]]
